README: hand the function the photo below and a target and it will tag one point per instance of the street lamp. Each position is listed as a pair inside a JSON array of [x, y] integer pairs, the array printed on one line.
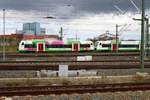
[[3, 34], [61, 29], [52, 17], [49, 17]]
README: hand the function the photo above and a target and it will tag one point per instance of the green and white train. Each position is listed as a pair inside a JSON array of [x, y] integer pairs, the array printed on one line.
[[120, 46], [42, 45], [55, 46]]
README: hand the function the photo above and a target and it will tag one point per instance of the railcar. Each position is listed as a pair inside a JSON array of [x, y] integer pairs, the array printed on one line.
[[76, 46], [26, 45], [120, 46], [55, 46], [86, 46], [129, 46]]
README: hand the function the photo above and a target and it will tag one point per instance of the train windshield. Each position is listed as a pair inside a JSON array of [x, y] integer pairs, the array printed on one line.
[[28, 46]]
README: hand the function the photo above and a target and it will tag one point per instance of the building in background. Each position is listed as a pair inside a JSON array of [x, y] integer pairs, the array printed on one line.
[[34, 31], [43, 31], [32, 28]]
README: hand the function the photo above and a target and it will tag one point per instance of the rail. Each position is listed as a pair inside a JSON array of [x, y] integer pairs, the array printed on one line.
[[70, 89]]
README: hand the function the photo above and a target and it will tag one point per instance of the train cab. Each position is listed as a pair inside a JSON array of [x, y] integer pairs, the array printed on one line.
[[87, 46], [103, 46], [25, 46]]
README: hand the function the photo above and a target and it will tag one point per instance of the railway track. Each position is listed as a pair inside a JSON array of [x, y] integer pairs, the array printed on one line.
[[25, 65], [49, 61], [71, 58], [70, 54], [71, 89]]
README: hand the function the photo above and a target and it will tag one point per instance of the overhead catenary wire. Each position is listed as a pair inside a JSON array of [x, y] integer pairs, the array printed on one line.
[[124, 29], [135, 6], [121, 11]]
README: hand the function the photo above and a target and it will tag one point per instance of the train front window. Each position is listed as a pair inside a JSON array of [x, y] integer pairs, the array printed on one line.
[[28, 46]]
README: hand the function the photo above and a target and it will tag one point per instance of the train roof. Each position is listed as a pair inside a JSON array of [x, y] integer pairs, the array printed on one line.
[[57, 42], [86, 42], [130, 42], [108, 41]]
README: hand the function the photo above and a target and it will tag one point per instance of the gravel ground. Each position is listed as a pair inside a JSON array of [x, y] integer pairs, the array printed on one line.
[[118, 72], [33, 74], [17, 74], [73, 80], [138, 95]]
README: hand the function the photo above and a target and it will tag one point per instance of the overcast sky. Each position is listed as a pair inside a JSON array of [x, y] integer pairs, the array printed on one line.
[[84, 18]]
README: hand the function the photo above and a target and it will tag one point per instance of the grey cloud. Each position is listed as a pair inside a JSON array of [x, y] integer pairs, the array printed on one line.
[[80, 7]]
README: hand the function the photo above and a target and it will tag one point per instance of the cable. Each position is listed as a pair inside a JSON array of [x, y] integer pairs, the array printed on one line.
[[135, 5], [119, 9]]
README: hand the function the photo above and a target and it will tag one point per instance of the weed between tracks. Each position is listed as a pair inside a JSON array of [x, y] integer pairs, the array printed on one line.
[[71, 81]]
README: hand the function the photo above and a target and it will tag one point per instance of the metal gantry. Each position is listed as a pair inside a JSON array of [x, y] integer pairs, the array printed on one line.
[[117, 37], [142, 54], [144, 37], [147, 37]]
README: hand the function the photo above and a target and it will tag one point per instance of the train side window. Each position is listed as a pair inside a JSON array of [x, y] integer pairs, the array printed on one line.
[[106, 45], [129, 46]]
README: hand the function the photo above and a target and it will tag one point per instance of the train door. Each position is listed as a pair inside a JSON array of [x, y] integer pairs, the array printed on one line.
[[75, 47], [40, 47], [114, 47]]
